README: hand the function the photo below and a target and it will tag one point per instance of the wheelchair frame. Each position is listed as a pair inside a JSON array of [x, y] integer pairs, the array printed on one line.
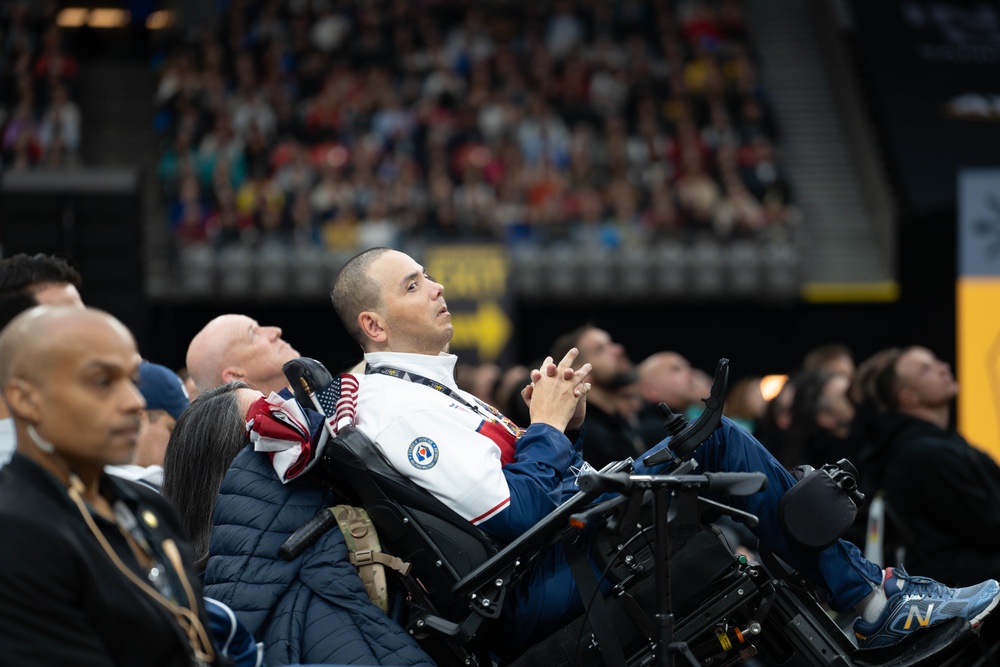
[[459, 578]]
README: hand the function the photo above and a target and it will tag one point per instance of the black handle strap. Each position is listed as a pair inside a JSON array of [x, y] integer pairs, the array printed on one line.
[[600, 617], [307, 534]]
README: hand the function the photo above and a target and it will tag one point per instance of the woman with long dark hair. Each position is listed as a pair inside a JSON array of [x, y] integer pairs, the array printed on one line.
[[208, 435]]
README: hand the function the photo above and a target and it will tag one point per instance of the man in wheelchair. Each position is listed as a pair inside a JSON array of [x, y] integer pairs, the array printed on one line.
[[504, 479]]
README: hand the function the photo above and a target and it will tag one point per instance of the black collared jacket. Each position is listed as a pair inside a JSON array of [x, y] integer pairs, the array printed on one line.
[[62, 599]]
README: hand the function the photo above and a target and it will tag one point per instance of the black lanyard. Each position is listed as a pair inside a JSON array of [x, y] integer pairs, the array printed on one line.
[[419, 379], [447, 391]]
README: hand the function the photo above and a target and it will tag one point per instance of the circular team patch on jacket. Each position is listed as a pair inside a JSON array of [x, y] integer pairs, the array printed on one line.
[[423, 453]]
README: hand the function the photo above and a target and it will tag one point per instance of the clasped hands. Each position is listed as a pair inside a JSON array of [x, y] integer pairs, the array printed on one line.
[[557, 393]]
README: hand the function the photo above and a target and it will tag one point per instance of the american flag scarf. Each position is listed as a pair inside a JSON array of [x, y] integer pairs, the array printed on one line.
[[294, 436]]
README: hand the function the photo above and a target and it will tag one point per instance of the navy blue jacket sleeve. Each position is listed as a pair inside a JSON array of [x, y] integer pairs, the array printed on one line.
[[537, 479]]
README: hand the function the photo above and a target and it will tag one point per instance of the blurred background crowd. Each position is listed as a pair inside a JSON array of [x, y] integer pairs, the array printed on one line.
[[39, 119], [341, 124], [348, 124]]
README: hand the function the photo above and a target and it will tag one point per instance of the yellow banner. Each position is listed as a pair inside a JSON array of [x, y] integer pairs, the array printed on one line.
[[978, 332], [475, 287]]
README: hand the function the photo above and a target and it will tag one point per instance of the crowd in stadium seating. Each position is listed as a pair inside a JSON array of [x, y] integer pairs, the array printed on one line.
[[347, 124], [39, 119]]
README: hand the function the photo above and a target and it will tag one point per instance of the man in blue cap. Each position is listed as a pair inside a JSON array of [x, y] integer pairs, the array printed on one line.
[[166, 399]]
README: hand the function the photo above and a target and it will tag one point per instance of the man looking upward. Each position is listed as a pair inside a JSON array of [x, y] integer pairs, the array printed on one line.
[[505, 480], [235, 347]]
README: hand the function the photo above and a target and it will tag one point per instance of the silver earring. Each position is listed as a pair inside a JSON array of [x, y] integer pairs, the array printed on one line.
[[39, 441]]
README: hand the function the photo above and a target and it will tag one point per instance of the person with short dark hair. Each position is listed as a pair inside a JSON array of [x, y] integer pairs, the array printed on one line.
[[938, 486], [612, 430], [504, 479], [52, 280], [25, 282]]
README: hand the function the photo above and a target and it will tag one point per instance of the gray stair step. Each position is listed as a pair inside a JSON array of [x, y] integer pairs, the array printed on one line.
[[838, 232]]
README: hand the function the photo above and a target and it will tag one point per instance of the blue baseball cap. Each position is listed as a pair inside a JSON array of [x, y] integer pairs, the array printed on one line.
[[162, 389]]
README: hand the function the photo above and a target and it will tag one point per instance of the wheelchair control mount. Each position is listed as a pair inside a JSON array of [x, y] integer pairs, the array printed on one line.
[[688, 436]]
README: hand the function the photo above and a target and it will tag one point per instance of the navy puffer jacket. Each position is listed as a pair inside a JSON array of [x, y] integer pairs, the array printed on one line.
[[313, 609]]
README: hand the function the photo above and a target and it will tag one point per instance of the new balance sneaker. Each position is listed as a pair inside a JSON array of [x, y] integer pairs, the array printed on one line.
[[919, 602]]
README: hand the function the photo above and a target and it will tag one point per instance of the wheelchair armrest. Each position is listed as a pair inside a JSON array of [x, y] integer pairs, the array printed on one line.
[[542, 534]]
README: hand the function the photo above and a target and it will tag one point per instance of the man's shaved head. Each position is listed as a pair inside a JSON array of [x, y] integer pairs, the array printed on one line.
[[235, 347], [35, 340], [68, 376], [355, 291], [667, 377], [206, 353]]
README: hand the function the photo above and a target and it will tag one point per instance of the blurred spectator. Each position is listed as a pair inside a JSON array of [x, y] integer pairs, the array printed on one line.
[[180, 157], [745, 403], [869, 416], [822, 417], [507, 393], [226, 226], [665, 377], [189, 387], [834, 357], [478, 379], [297, 173], [190, 211], [166, 398], [565, 30], [59, 131], [39, 121], [773, 428], [53, 63], [21, 148], [611, 429], [943, 492]]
